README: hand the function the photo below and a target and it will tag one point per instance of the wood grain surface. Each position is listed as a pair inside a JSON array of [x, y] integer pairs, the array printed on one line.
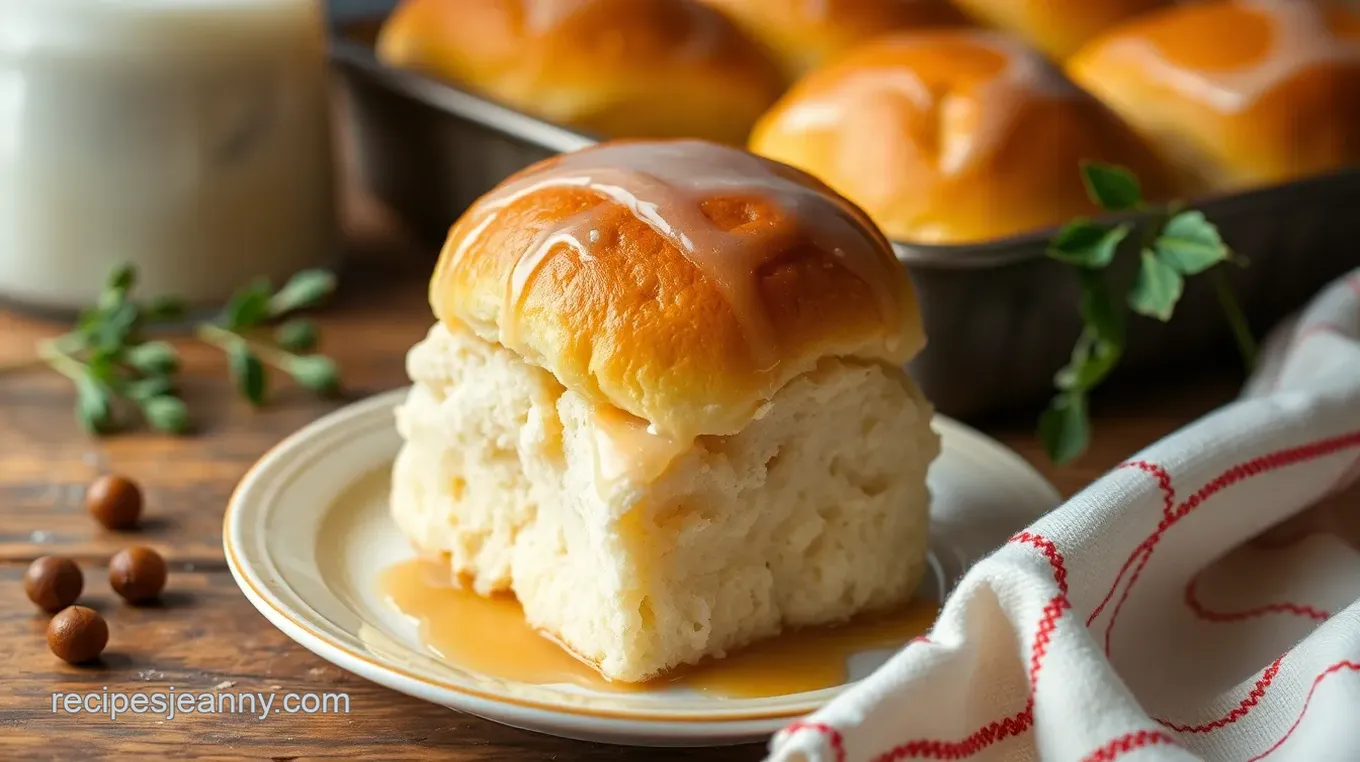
[[206, 636]]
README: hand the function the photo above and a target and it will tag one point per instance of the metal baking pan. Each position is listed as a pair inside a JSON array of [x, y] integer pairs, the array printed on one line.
[[1001, 317]]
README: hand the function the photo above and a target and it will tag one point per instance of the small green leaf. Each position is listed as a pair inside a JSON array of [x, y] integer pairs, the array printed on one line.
[[248, 306], [247, 372], [1190, 244], [117, 284], [1156, 289], [166, 413], [1086, 244], [122, 278], [1099, 307], [1113, 188], [153, 358], [88, 323], [102, 365], [296, 336], [112, 327], [1064, 427], [304, 289], [165, 308], [144, 389], [1092, 360], [94, 406], [315, 372]]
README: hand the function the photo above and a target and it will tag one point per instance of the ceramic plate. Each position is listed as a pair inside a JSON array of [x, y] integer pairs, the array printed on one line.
[[289, 506]]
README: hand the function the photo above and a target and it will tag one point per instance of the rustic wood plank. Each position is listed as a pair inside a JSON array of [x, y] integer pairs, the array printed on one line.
[[207, 635], [46, 461]]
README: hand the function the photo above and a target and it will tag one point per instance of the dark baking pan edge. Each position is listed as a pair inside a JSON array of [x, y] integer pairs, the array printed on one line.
[[531, 130]]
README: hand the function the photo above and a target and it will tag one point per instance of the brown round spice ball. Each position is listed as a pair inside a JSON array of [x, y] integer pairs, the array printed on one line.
[[137, 574], [77, 634], [53, 583], [115, 501]]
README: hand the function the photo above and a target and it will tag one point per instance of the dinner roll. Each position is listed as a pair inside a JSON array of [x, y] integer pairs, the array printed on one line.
[[950, 136], [1235, 93], [614, 68], [1057, 27], [679, 281], [664, 406], [802, 35]]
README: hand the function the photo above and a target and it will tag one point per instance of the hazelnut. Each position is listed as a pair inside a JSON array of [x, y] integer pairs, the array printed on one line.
[[53, 583], [137, 574], [115, 501], [77, 634]]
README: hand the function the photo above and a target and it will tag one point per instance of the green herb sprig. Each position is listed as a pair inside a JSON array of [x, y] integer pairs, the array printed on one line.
[[1176, 243], [122, 378]]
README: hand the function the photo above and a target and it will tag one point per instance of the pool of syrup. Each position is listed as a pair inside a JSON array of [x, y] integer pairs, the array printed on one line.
[[489, 636]]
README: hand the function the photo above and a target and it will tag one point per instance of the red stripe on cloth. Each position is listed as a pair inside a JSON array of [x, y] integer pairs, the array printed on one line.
[[1258, 691], [1127, 743], [1023, 720], [1204, 612], [1238, 473], [1349, 665], [1168, 500], [1163, 482], [833, 736]]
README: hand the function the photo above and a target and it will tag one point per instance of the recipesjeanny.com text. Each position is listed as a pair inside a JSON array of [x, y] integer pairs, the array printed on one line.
[[171, 703]]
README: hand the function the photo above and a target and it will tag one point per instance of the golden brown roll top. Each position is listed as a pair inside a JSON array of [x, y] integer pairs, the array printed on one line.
[[1235, 93], [622, 68], [1056, 27], [803, 34], [950, 136], [682, 282]]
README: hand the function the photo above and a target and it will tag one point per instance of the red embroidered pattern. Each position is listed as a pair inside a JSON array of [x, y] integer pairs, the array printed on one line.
[[1238, 712], [1022, 721], [1237, 473], [1203, 612], [1127, 743], [1019, 723], [1168, 503], [833, 736], [1350, 665]]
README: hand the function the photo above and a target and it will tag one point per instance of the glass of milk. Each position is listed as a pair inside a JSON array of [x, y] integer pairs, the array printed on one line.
[[190, 138]]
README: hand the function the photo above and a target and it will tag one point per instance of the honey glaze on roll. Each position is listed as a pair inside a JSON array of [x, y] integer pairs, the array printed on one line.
[[664, 185], [702, 33], [628, 449], [1230, 76], [1001, 74], [620, 226]]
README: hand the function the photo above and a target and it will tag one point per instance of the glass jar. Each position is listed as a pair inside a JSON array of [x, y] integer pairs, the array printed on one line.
[[190, 138]]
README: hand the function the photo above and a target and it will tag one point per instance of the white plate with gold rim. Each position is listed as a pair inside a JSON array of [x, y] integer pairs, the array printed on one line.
[[308, 538]]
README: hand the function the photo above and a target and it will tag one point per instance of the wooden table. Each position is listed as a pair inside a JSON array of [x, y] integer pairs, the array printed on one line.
[[206, 635]]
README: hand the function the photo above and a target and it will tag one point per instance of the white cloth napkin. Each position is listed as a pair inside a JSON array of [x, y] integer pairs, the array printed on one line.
[[1141, 620]]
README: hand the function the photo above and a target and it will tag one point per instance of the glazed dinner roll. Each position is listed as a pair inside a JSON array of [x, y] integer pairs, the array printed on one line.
[[950, 136], [802, 35], [615, 68], [1236, 93], [1056, 27], [664, 406]]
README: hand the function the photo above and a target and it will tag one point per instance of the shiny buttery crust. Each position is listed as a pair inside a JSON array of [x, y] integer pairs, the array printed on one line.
[[803, 35], [880, 124], [616, 68], [1305, 123], [641, 328], [1057, 27]]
